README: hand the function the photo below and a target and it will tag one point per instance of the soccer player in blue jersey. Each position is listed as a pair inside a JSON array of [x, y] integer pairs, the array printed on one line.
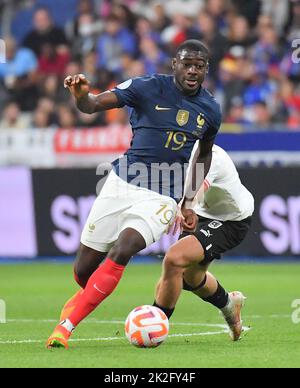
[[138, 202]]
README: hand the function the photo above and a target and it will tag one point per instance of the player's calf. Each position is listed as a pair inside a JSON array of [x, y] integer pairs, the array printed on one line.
[[87, 262]]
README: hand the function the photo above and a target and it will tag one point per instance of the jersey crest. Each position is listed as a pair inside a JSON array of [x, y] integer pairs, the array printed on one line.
[[182, 117]]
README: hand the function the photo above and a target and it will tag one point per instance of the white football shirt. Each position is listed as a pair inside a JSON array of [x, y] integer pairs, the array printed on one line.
[[225, 198]]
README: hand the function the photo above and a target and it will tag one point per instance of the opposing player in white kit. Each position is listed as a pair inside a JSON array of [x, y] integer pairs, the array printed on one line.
[[224, 213]]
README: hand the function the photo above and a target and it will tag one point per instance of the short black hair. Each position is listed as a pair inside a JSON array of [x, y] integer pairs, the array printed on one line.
[[193, 45]]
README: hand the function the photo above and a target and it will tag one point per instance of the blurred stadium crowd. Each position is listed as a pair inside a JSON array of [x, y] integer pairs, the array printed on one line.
[[252, 72]]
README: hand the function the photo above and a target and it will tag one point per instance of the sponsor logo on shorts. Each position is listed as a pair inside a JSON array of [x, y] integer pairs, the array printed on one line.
[[215, 224], [206, 233], [208, 247]]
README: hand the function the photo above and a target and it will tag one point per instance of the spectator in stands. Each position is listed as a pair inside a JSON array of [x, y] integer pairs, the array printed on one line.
[[288, 104], [188, 8], [84, 33], [113, 43], [89, 67], [126, 63], [261, 88], [230, 83], [294, 24], [217, 9], [105, 7], [267, 52], [237, 112], [52, 61], [48, 107], [209, 34], [73, 67], [19, 74], [44, 32], [122, 12], [52, 88], [105, 80], [145, 29], [264, 21], [153, 58], [239, 33], [137, 69], [180, 30], [278, 11], [159, 19], [41, 119], [261, 115], [133, 37], [13, 118], [250, 9], [19, 61], [67, 118]]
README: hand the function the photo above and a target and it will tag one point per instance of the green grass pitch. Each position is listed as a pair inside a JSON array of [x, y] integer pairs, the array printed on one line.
[[35, 293]]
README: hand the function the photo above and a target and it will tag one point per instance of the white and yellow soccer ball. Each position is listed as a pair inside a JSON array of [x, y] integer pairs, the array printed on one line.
[[147, 327]]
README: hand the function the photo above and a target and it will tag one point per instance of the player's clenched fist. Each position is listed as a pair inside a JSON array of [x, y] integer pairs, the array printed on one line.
[[190, 220], [78, 85]]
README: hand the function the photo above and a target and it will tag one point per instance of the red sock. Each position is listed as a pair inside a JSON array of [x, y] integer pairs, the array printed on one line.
[[100, 285]]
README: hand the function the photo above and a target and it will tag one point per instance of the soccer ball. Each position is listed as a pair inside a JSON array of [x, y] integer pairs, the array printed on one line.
[[147, 327]]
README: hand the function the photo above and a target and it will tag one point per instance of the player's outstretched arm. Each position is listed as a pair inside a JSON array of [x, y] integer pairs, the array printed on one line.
[[79, 87]]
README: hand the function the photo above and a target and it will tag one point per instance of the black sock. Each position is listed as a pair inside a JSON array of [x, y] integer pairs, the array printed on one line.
[[219, 299], [167, 311]]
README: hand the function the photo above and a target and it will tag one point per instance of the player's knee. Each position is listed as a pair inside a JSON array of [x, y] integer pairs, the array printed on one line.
[[128, 244], [121, 254], [124, 249], [175, 258]]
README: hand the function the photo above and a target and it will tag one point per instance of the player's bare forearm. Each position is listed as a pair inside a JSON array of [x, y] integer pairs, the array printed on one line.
[[92, 103], [79, 87], [86, 104], [203, 157], [206, 161]]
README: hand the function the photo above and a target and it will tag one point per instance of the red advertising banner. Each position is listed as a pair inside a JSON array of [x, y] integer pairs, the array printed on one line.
[[114, 139]]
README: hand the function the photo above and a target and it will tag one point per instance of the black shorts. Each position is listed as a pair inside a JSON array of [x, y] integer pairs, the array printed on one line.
[[217, 237]]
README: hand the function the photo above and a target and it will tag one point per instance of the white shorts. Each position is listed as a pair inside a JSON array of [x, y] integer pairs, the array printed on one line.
[[121, 205]]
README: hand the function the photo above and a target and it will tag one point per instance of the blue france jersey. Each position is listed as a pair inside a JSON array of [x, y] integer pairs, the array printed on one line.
[[166, 124]]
